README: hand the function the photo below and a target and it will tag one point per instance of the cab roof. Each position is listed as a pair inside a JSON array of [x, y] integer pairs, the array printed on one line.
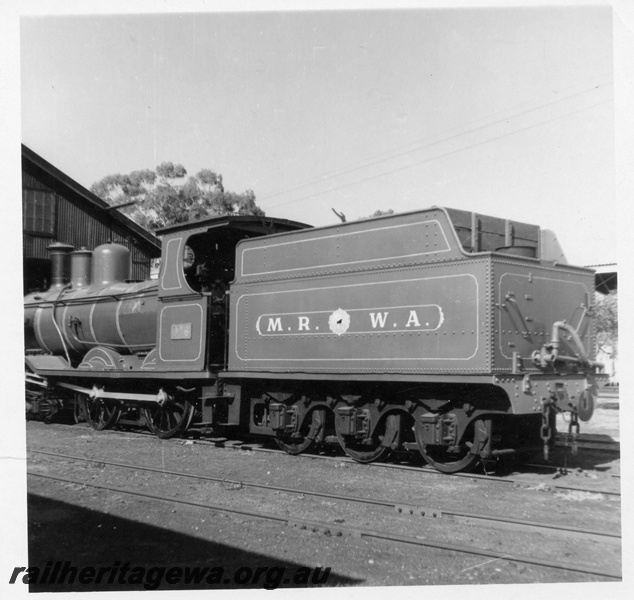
[[249, 223]]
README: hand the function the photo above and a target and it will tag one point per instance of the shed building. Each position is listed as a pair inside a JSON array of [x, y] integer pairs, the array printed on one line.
[[55, 208]]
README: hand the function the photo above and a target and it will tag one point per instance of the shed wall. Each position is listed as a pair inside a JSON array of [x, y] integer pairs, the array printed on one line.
[[80, 224]]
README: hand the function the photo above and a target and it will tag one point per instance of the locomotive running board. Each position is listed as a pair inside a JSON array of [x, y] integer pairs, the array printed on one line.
[[485, 378], [95, 393]]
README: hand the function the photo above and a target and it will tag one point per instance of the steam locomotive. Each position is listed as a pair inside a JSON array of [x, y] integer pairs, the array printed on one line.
[[445, 332]]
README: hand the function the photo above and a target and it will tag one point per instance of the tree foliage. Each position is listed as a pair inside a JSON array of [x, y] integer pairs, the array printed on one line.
[[378, 213], [166, 196], [606, 319]]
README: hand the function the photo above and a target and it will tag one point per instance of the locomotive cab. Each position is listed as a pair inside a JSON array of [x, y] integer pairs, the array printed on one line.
[[197, 266]]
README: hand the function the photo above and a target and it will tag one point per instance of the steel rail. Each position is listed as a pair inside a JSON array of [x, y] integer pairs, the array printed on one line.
[[401, 508], [246, 446], [356, 532], [422, 469], [599, 447], [589, 443], [545, 467], [591, 438]]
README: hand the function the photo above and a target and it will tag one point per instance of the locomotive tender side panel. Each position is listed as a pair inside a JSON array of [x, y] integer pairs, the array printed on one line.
[[383, 296], [414, 320]]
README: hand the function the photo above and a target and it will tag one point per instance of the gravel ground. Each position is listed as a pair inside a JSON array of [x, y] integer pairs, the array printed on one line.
[[92, 527]]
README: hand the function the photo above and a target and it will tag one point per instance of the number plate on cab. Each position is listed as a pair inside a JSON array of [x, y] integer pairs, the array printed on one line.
[[181, 331]]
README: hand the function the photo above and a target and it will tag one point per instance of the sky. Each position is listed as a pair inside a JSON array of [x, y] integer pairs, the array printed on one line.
[[502, 111]]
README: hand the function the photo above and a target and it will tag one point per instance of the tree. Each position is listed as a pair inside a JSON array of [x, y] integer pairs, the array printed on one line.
[[378, 213], [166, 197], [606, 320]]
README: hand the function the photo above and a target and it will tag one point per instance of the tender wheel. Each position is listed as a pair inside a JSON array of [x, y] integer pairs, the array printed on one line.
[[308, 435], [168, 419], [586, 406], [98, 413], [367, 451], [445, 461]]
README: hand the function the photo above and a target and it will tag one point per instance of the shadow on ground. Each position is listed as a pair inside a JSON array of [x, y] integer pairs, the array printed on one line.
[[60, 532]]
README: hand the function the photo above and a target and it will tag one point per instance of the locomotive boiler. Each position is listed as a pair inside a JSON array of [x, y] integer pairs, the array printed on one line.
[[98, 306], [444, 332]]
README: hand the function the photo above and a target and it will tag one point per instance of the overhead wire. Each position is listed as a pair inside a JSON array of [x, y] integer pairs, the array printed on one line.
[[597, 83], [426, 160], [391, 155]]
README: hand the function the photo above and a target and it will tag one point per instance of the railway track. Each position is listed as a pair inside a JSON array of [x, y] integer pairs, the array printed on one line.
[[590, 442], [585, 441], [401, 508], [442, 514], [417, 468]]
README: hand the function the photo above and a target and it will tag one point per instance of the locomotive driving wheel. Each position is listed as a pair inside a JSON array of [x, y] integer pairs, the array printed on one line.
[[455, 459], [311, 431], [99, 413], [370, 449], [79, 410], [169, 418]]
